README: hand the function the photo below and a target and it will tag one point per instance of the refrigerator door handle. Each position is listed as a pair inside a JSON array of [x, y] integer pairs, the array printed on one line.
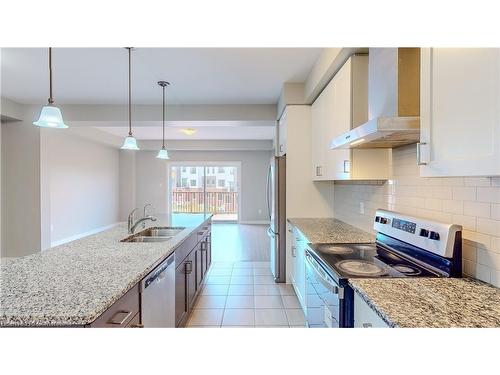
[[268, 189]]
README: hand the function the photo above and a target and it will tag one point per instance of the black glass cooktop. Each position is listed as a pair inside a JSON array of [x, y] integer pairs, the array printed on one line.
[[366, 261]]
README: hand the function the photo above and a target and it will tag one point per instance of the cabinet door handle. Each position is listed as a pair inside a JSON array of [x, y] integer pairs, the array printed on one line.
[[419, 153], [138, 325], [318, 171], [347, 166], [189, 267], [294, 251], [124, 315]]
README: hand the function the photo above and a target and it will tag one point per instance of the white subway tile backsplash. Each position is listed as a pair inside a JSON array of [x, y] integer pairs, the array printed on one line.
[[488, 194], [473, 202], [477, 209], [464, 193]]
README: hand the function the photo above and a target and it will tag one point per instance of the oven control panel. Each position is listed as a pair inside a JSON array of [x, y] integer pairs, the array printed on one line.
[[433, 236]]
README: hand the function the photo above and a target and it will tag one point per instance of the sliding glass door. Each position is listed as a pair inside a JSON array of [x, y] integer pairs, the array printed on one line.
[[197, 189]]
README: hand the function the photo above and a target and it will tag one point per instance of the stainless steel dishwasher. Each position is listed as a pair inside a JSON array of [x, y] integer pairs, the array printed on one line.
[[158, 296]]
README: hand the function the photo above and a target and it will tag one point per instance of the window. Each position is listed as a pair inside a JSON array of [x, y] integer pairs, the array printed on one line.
[[221, 170], [184, 169], [221, 183], [231, 185], [184, 182], [193, 183], [210, 181], [193, 170]]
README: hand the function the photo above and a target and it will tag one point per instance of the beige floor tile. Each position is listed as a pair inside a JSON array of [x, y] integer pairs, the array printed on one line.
[[266, 290], [263, 280], [240, 302], [240, 290], [272, 327], [243, 265], [221, 272], [301, 326], [206, 317], [221, 280], [295, 317], [238, 317], [266, 317], [291, 302], [286, 289], [210, 302], [261, 265], [242, 272], [262, 272], [268, 302], [243, 280], [214, 290], [222, 264]]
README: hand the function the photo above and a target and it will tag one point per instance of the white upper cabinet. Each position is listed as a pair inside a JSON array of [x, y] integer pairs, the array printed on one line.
[[281, 144], [341, 106], [460, 112]]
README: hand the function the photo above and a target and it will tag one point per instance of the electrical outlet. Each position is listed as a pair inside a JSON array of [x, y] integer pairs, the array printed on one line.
[[362, 208]]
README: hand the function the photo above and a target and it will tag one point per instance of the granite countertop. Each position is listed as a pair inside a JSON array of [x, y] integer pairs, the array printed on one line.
[[330, 231], [74, 283], [431, 302]]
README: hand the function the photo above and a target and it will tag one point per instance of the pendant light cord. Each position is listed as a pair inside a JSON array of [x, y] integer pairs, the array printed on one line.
[[163, 137], [51, 98], [129, 91]]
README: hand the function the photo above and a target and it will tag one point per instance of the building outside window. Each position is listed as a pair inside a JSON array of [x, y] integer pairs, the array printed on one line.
[[211, 181], [184, 182], [221, 170], [193, 183], [193, 170], [184, 169], [221, 183]]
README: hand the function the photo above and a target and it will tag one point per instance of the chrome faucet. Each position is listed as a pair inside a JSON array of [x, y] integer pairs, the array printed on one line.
[[144, 213], [130, 222]]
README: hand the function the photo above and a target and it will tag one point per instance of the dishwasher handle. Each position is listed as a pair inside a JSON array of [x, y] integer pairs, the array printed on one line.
[[159, 273]]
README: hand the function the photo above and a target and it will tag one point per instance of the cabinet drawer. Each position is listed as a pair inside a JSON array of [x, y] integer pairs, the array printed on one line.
[[121, 313]]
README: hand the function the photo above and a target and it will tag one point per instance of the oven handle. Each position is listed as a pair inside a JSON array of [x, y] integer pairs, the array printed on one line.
[[335, 289]]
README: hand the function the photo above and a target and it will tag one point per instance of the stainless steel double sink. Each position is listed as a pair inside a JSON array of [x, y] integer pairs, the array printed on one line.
[[155, 234]]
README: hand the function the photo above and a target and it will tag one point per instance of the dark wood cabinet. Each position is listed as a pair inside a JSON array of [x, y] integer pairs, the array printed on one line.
[[121, 313], [199, 264], [181, 306]]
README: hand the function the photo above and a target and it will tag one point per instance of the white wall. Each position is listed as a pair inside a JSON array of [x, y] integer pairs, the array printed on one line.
[[20, 189], [471, 202], [82, 181], [151, 179]]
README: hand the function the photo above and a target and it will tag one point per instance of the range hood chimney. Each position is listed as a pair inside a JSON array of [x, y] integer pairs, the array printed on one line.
[[393, 101]]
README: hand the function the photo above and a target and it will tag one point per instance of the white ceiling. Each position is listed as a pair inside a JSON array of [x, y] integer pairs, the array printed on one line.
[[197, 75]]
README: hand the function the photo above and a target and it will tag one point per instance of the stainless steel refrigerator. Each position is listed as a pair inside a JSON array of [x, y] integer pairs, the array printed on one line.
[[276, 202]]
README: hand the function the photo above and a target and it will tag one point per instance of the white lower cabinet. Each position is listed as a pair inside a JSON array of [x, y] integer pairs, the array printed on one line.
[[364, 316], [459, 112], [297, 272]]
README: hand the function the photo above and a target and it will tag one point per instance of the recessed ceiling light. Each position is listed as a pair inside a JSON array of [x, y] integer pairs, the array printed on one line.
[[189, 131]]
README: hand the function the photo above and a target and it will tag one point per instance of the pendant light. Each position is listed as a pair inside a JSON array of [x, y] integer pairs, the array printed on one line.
[[163, 153], [130, 143], [50, 115]]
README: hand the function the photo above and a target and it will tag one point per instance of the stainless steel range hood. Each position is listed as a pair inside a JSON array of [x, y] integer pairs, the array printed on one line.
[[393, 101]]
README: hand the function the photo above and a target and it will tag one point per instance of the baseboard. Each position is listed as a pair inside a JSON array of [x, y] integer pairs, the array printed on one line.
[[255, 222], [81, 235]]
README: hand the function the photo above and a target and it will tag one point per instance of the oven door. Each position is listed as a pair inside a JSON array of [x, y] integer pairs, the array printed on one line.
[[323, 296]]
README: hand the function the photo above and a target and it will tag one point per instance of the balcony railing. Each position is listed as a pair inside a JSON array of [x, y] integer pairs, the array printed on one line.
[[194, 202]]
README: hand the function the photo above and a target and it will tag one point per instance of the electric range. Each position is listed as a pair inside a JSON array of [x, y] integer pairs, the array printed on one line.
[[405, 246]]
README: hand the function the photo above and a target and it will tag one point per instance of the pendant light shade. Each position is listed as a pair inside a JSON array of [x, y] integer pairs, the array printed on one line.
[[163, 153], [50, 115], [130, 142]]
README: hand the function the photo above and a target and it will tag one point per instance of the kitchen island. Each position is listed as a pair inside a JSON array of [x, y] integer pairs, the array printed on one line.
[[73, 284]]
